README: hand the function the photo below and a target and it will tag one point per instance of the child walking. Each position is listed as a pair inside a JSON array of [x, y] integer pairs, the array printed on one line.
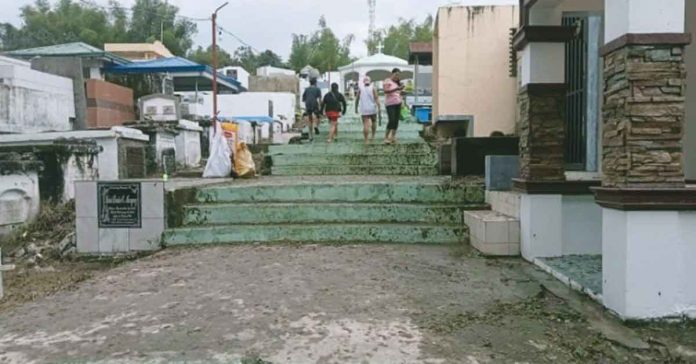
[[334, 105]]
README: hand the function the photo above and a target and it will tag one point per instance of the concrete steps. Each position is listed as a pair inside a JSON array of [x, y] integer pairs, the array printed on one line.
[[350, 170], [379, 135], [424, 159], [327, 209], [421, 190], [350, 148], [305, 213], [318, 233], [404, 159]]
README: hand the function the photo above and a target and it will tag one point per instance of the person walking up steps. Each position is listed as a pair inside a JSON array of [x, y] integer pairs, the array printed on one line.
[[334, 105], [312, 99], [393, 101], [368, 107]]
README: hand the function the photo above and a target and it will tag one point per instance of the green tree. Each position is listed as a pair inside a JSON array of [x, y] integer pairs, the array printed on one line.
[[205, 56], [246, 58], [269, 58], [301, 52], [396, 38], [74, 21], [152, 19], [321, 50]]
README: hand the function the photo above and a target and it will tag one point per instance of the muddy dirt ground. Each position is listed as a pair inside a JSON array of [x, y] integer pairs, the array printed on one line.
[[324, 304]]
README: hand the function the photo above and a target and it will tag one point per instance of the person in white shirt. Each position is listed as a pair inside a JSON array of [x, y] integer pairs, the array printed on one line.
[[368, 107]]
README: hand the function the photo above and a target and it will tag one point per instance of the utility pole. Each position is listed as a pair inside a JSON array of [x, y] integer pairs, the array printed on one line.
[[215, 66]]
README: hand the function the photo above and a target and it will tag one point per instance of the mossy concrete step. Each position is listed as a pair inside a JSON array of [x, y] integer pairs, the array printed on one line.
[[356, 125], [302, 213], [358, 135], [426, 190], [350, 148], [318, 233], [356, 170], [317, 159]]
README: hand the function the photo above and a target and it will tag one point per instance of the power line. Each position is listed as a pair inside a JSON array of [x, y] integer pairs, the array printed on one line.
[[240, 40]]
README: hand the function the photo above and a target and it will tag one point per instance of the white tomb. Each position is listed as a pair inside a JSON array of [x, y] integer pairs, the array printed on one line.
[[33, 101]]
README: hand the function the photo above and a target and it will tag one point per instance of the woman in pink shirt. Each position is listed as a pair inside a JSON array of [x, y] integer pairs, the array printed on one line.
[[393, 101]]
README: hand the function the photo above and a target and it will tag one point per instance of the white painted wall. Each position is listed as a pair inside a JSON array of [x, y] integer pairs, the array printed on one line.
[[78, 168], [19, 199], [242, 74], [643, 16], [164, 140], [33, 101], [159, 104], [557, 225], [647, 262], [246, 104], [108, 159], [582, 225], [542, 63], [188, 144], [270, 71]]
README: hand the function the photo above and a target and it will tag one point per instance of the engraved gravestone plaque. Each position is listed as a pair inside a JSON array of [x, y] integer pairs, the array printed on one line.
[[119, 205]]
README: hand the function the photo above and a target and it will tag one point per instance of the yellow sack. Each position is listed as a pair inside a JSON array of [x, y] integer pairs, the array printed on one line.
[[244, 161]]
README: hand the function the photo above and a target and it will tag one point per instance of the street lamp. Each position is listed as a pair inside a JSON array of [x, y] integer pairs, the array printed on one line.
[[215, 66]]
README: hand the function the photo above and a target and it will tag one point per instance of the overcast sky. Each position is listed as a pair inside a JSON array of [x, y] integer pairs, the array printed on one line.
[[268, 24]]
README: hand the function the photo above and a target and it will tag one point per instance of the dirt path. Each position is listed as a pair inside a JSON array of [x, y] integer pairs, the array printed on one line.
[[310, 304]]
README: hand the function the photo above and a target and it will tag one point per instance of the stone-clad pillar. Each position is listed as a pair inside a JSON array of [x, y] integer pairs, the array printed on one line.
[[541, 125], [648, 215], [644, 103], [541, 101]]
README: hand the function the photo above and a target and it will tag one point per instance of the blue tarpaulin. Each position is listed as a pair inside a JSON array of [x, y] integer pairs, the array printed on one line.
[[179, 68]]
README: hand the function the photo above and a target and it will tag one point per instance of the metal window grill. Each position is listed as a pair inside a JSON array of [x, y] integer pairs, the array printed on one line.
[[512, 54], [576, 96]]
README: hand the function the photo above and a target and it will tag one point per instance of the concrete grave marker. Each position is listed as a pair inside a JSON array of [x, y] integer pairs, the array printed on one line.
[[3, 268]]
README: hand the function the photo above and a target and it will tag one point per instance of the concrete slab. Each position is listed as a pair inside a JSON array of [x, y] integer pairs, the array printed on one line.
[[581, 272]]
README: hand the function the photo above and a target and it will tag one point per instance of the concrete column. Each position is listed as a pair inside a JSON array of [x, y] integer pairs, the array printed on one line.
[[648, 213], [541, 111], [643, 17]]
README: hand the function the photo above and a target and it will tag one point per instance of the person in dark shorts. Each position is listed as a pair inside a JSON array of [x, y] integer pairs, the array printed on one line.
[[393, 101], [368, 107], [312, 100], [334, 105]]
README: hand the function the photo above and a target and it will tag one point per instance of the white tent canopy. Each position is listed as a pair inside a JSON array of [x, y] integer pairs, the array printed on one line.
[[377, 66]]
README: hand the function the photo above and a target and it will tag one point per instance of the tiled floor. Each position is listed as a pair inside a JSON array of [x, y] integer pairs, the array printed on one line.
[[585, 270]]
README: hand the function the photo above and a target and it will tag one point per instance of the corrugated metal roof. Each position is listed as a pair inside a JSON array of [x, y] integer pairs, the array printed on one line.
[[160, 65], [174, 65], [76, 49]]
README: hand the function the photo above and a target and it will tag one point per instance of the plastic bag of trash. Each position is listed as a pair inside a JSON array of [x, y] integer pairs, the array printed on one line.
[[220, 161], [244, 161], [405, 112]]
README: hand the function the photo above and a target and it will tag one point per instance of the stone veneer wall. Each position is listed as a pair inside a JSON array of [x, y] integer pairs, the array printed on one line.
[[541, 125], [644, 95]]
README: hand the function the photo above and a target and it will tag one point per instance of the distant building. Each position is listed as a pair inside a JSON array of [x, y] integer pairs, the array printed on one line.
[[269, 71], [238, 73], [471, 67], [139, 51]]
